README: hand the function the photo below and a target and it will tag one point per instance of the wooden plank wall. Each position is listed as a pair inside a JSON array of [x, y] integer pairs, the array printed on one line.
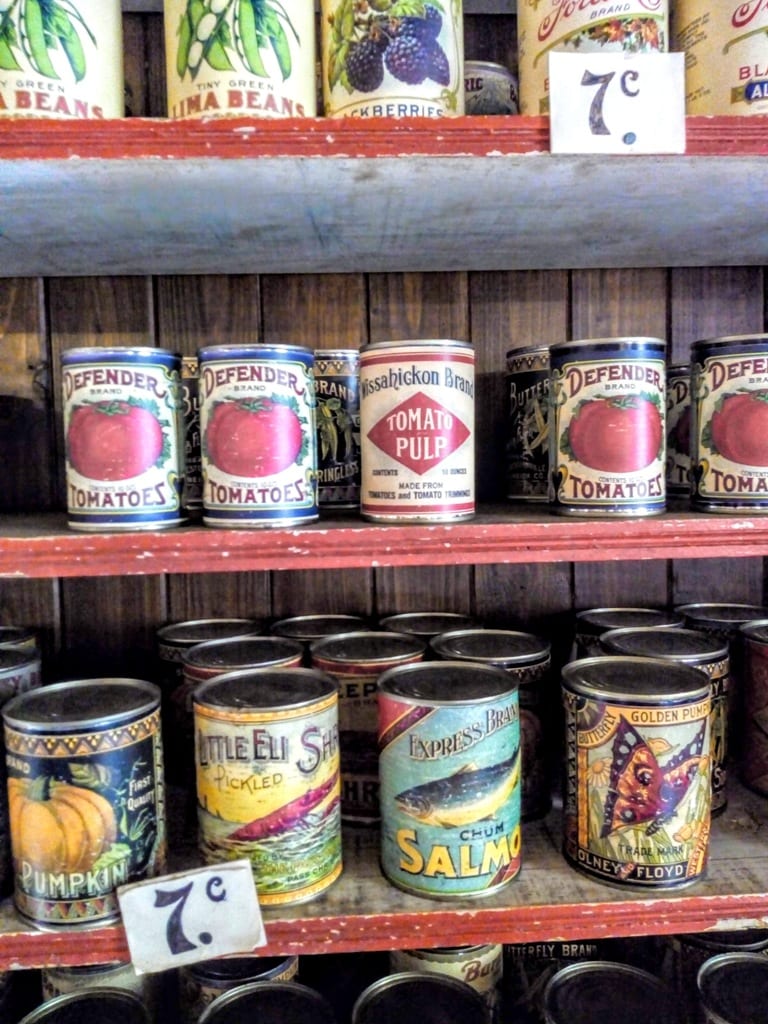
[[107, 625]]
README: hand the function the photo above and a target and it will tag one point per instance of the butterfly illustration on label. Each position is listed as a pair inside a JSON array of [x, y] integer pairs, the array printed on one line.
[[641, 790]]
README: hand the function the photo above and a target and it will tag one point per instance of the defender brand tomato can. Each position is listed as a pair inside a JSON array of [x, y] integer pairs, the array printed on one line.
[[733, 987], [602, 990], [257, 423], [679, 431], [122, 428], [480, 967], [593, 622], [636, 807], [337, 387], [417, 431], [607, 438], [200, 984], [729, 402], [527, 442], [86, 797], [415, 997], [267, 763], [489, 88], [450, 767]]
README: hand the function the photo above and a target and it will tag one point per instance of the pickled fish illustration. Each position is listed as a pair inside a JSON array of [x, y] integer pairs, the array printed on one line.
[[470, 794]]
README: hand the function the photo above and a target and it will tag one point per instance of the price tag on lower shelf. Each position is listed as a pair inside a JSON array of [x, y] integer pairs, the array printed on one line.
[[617, 102], [190, 916]]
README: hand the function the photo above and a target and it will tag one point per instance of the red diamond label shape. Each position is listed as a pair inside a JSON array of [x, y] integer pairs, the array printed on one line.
[[419, 433]]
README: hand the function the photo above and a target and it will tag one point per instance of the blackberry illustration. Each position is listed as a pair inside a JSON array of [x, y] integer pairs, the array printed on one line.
[[425, 29], [437, 65], [365, 67], [407, 59]]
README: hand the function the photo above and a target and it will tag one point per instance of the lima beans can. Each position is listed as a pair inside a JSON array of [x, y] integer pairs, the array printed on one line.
[[480, 967], [417, 431], [337, 387], [257, 423], [267, 762], [636, 808], [86, 797], [122, 429], [679, 431], [527, 442], [607, 436], [450, 767]]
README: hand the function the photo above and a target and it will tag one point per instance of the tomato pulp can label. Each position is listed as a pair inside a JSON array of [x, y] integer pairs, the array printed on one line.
[[337, 385], [678, 430], [527, 442], [257, 423], [417, 427], [607, 439], [123, 437], [250, 58]]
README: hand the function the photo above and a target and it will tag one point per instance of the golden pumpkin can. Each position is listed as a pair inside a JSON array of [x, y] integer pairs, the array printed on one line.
[[85, 797]]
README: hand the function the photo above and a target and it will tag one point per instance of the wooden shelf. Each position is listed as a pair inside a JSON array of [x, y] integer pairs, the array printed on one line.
[[152, 196]]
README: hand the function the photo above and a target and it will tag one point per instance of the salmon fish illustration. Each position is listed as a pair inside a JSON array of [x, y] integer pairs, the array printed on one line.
[[290, 815], [470, 794]]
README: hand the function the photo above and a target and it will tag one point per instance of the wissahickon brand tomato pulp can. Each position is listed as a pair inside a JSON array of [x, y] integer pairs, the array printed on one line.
[[607, 438], [636, 806], [729, 404], [257, 424], [123, 434], [417, 431]]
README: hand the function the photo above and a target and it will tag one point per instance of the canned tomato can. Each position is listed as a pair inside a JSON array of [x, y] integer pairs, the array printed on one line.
[[105, 1005], [638, 26], [240, 60], [417, 431], [679, 431], [257, 424], [391, 60], [122, 429], [527, 659], [733, 987], [270, 1002], [604, 990], [426, 625], [413, 997], [480, 967], [201, 983], [688, 647], [636, 807], [527, 441], [729, 402], [591, 623], [337, 388], [192, 493], [489, 88], [59, 981], [86, 797], [450, 764], [62, 61], [267, 762], [607, 435], [753, 749]]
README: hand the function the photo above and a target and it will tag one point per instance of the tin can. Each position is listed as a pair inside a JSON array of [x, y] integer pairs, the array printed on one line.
[[86, 797], [607, 435], [480, 967], [417, 419], [413, 997], [21, 638], [426, 625], [678, 431], [726, 58], [603, 990], [337, 387], [226, 60], [192, 493], [636, 807], [59, 981], [267, 761], [639, 26], [489, 88], [527, 441], [201, 983], [257, 423], [308, 628], [593, 622], [449, 741], [729, 448], [528, 966], [122, 426], [19, 671], [753, 749], [688, 647], [64, 62], [527, 659], [356, 660], [733, 987], [95, 1006], [270, 1002], [390, 61]]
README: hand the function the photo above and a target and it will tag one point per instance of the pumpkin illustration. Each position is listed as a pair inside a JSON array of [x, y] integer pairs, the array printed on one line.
[[56, 826]]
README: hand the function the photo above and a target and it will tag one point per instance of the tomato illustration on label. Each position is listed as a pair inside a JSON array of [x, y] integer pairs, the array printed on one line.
[[114, 440], [256, 437], [738, 429], [616, 434]]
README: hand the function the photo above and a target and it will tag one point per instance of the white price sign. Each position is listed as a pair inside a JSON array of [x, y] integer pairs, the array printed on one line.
[[191, 916], [617, 102]]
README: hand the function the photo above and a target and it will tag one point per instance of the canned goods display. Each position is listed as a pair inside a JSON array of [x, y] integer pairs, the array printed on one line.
[[267, 762], [679, 431], [636, 806], [96, 1006], [480, 967], [201, 983], [269, 1002], [450, 767], [733, 988], [413, 997], [753, 749], [591, 623], [192, 493], [584, 992], [417, 431], [527, 442], [122, 427], [337, 387], [426, 625], [489, 88], [86, 797], [257, 423]]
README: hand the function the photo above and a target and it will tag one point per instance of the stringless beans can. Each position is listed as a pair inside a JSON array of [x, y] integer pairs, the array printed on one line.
[[527, 441], [337, 387]]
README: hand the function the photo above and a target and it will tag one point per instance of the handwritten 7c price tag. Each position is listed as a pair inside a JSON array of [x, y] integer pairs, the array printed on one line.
[[617, 102], [191, 916]]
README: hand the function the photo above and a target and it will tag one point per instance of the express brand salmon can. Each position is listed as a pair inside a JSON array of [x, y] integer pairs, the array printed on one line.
[[607, 436], [257, 424], [527, 442], [123, 437], [679, 431], [268, 789], [417, 431], [337, 386], [450, 768]]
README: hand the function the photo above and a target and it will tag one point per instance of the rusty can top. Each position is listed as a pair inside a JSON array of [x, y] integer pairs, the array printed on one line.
[[81, 703], [235, 970], [106, 1005], [507, 648], [596, 621], [636, 680], [582, 993], [733, 987], [683, 645], [726, 618], [255, 689], [366, 647], [415, 997], [198, 631], [269, 1002], [426, 624], [437, 683], [307, 628], [242, 652]]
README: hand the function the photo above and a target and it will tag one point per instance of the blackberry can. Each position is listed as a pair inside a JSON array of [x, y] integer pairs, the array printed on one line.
[[489, 88], [636, 807], [201, 983], [603, 990], [591, 623], [527, 442], [679, 431], [337, 387], [733, 987], [123, 438], [413, 997], [607, 435], [450, 767], [417, 431], [257, 423], [480, 967]]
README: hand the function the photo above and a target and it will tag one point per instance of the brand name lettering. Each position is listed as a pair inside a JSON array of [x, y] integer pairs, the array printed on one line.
[[38, 100], [122, 377], [744, 13], [466, 860], [578, 377], [73, 885], [224, 376], [237, 99], [315, 745], [722, 372], [398, 377], [564, 9], [429, 749]]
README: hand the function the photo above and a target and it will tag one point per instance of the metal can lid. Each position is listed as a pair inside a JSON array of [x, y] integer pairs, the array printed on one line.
[[755, 629], [595, 621], [14, 658], [197, 631], [269, 1002], [246, 351], [627, 344], [265, 689], [436, 683], [743, 940], [242, 652], [733, 987], [592, 990], [472, 66], [104, 1005], [729, 340], [230, 970], [443, 344], [119, 353], [17, 636], [645, 680], [686, 645], [81, 703], [521, 358], [337, 353], [313, 627], [426, 624], [712, 614], [415, 997], [366, 646], [504, 647]]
